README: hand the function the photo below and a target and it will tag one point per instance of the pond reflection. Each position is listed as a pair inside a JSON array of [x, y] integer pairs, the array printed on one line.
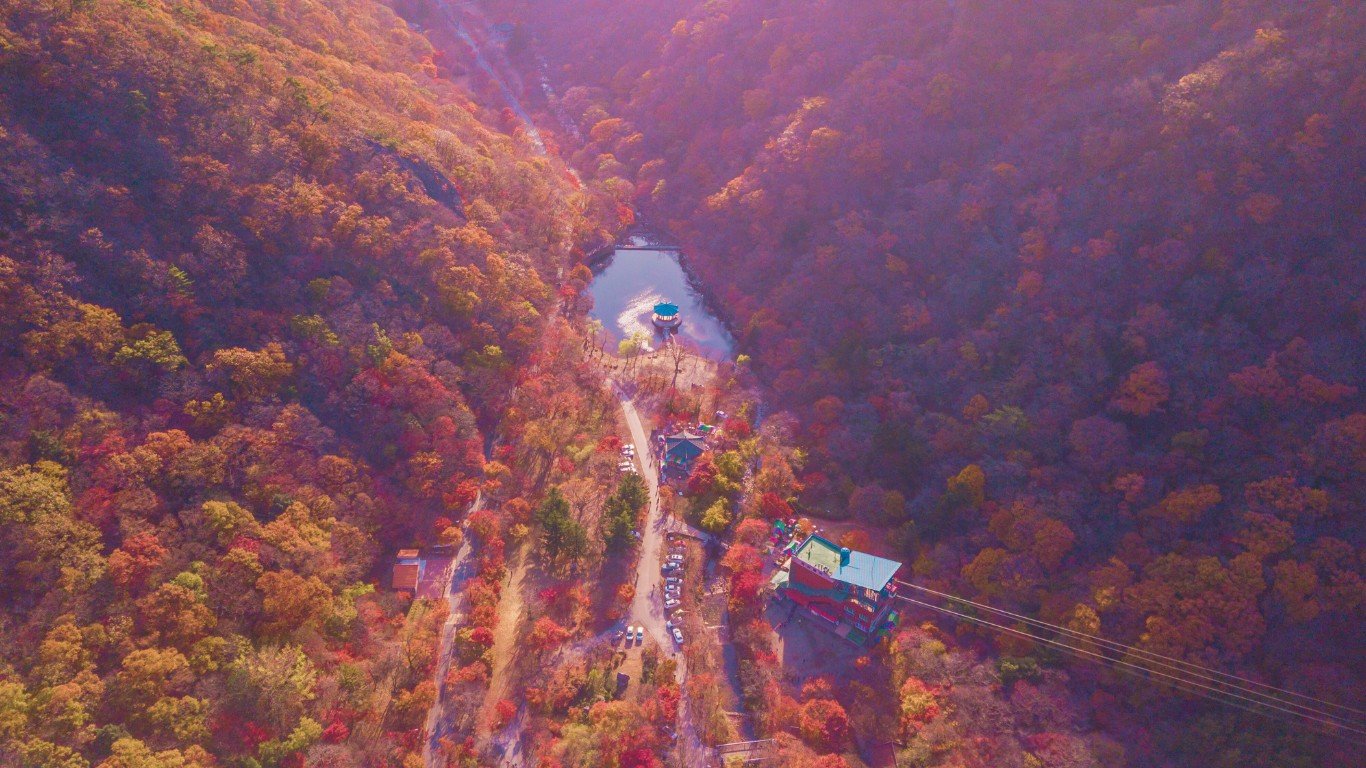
[[628, 285]]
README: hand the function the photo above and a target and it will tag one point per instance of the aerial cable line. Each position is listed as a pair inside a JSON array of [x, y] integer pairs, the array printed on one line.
[[1131, 649], [1179, 665], [1332, 723], [1151, 656], [1102, 660]]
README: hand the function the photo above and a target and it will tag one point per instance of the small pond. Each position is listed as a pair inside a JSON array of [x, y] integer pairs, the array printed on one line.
[[629, 283]]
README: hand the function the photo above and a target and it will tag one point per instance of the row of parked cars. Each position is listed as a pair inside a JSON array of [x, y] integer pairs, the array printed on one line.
[[636, 634], [628, 458], [673, 588], [673, 597]]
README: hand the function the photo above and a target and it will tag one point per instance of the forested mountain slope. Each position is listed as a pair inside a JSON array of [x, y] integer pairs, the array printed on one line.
[[1066, 294], [267, 279], [1063, 296]]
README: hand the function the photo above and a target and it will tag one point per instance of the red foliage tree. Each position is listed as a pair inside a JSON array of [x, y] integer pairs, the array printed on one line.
[[774, 508], [824, 724], [546, 634]]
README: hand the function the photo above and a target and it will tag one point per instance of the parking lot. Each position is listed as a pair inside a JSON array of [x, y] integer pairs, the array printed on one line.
[[669, 597]]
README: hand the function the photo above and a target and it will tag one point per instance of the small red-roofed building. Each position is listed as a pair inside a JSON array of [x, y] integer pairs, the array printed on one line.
[[407, 571]]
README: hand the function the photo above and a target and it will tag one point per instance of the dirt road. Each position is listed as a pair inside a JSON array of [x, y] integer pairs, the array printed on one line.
[[506, 743], [460, 569]]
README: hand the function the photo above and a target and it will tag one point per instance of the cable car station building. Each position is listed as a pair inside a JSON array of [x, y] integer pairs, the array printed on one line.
[[848, 589]]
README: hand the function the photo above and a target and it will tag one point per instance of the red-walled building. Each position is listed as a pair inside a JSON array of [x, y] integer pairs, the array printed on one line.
[[851, 590]]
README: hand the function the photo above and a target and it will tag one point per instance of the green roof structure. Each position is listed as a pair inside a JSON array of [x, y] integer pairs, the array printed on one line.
[[683, 447], [846, 565]]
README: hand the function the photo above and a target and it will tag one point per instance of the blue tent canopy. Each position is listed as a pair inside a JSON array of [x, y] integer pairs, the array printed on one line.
[[666, 309]]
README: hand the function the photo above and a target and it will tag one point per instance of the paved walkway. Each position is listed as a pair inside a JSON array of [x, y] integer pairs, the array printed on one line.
[[647, 607]]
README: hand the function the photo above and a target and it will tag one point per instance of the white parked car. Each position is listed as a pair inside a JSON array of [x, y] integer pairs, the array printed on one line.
[[671, 603], [678, 635]]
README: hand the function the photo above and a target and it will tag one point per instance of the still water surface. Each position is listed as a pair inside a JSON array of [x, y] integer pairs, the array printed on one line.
[[628, 285]]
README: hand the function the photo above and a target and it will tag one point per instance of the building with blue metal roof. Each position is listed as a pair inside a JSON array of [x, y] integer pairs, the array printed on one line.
[[850, 590]]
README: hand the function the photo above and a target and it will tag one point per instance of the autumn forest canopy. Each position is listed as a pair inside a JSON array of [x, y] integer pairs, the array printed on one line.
[[1059, 303]]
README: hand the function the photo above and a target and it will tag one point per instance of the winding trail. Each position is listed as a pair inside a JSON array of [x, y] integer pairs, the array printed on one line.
[[437, 722], [507, 742], [482, 61]]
